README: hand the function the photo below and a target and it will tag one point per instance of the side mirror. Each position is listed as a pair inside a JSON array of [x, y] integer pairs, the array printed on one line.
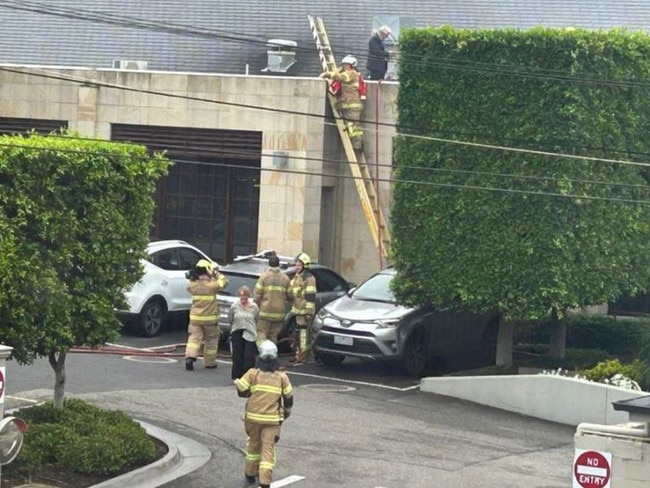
[[351, 290], [12, 433]]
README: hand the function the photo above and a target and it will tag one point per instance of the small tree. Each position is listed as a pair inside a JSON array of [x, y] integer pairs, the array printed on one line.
[[524, 233], [75, 216]]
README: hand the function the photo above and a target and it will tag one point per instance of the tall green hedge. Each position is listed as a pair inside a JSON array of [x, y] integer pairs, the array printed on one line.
[[521, 231]]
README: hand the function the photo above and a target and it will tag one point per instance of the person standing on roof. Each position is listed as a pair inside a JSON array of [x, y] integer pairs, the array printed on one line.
[[271, 296], [350, 90], [205, 282], [377, 63], [302, 290], [270, 399]]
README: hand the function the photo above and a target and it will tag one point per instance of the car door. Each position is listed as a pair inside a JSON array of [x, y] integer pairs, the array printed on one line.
[[186, 259], [329, 286]]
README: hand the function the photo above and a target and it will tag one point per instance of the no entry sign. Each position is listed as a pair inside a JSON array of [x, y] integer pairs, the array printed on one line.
[[592, 469], [2, 385]]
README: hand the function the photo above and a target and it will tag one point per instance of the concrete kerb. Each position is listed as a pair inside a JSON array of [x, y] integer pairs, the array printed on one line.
[[184, 456]]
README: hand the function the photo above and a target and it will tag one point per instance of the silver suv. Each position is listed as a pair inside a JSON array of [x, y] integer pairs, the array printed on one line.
[[368, 323]]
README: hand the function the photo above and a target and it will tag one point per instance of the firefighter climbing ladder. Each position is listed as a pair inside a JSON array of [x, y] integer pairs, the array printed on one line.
[[356, 159]]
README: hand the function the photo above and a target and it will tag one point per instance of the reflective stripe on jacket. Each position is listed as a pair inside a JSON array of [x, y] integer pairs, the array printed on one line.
[[303, 291], [269, 391], [204, 310], [272, 294]]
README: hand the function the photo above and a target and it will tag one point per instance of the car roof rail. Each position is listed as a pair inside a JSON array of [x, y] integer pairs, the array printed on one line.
[[155, 242]]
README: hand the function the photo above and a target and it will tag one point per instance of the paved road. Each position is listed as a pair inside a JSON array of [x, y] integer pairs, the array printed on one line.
[[371, 429]]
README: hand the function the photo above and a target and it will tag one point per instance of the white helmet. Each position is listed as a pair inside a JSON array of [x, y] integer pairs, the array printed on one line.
[[268, 350], [351, 60]]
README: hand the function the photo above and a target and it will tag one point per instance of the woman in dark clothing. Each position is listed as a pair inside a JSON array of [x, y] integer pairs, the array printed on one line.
[[243, 333]]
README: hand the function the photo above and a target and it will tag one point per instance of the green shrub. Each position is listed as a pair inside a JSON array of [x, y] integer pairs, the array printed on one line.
[[620, 338], [81, 438], [605, 370], [574, 360]]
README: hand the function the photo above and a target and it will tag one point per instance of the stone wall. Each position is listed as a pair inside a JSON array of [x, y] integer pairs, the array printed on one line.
[[294, 125]]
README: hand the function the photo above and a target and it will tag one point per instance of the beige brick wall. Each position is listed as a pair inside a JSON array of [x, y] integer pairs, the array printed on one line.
[[289, 202]]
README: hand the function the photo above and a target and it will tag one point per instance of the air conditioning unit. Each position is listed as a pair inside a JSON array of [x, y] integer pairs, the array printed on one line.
[[129, 64]]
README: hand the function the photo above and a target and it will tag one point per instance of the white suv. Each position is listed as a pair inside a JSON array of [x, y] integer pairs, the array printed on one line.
[[162, 289]]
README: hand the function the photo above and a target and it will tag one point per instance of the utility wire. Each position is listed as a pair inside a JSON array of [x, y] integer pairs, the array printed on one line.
[[90, 82], [350, 177], [339, 162], [193, 31], [501, 69]]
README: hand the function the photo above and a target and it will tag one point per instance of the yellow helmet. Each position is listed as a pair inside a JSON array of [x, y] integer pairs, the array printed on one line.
[[304, 259], [207, 265]]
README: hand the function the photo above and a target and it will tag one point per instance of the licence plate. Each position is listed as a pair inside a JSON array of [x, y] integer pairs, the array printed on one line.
[[343, 340]]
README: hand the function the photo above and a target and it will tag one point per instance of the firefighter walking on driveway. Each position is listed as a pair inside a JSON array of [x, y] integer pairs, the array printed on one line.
[[205, 282], [271, 296], [350, 90], [302, 290], [270, 398]]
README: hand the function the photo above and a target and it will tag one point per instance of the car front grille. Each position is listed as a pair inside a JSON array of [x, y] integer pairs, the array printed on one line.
[[361, 346], [338, 330]]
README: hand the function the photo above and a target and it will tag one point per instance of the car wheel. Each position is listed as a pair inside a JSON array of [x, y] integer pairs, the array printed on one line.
[[416, 353], [152, 317], [331, 360]]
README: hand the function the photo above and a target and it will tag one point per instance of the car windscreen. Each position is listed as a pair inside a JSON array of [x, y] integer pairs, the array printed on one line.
[[236, 281], [376, 288]]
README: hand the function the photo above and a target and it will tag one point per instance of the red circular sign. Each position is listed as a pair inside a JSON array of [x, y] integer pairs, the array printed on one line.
[[591, 470]]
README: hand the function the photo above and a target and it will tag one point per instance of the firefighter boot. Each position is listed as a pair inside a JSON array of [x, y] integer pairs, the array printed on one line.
[[250, 479], [189, 364]]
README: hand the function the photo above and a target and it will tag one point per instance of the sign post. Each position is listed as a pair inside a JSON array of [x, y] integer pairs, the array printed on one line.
[[592, 469]]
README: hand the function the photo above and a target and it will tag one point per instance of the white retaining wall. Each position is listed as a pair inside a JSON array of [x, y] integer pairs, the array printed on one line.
[[551, 397]]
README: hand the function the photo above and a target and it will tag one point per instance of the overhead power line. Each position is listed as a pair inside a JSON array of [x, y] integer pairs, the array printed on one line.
[[501, 69], [339, 162], [44, 73], [350, 177]]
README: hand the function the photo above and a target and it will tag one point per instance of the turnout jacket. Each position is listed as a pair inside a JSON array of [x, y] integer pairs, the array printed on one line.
[[349, 88], [204, 310], [271, 294], [270, 396], [302, 290]]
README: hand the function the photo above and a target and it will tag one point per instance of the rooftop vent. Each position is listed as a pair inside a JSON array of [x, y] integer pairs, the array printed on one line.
[[281, 55], [129, 64]]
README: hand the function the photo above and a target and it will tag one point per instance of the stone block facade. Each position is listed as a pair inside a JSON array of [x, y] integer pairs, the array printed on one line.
[[292, 115]]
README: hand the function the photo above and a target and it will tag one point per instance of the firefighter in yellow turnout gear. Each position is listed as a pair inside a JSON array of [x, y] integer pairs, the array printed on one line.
[[205, 282], [270, 399], [350, 90], [302, 289], [271, 296]]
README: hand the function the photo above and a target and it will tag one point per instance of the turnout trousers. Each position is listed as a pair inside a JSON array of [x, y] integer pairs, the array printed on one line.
[[260, 450], [209, 335]]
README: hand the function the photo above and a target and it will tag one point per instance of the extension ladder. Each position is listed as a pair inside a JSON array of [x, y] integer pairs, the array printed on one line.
[[356, 159]]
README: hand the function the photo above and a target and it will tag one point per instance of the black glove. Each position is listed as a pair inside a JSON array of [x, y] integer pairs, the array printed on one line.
[[287, 413]]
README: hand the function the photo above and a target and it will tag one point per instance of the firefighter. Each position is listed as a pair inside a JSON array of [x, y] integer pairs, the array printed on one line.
[[270, 398], [302, 290], [271, 296], [350, 90], [205, 282]]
